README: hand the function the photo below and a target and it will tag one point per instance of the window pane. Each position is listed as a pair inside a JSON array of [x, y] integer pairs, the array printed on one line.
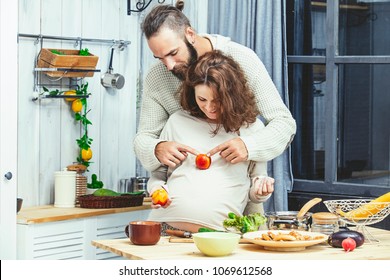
[[364, 27], [364, 129], [306, 27], [307, 102]]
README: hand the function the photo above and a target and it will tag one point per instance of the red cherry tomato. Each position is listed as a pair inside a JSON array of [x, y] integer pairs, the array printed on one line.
[[349, 244], [160, 196], [203, 161]]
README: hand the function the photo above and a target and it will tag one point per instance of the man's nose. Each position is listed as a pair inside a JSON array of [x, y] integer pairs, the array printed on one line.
[[170, 64]]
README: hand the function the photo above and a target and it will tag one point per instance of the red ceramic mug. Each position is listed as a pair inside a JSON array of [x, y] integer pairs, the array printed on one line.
[[143, 232]]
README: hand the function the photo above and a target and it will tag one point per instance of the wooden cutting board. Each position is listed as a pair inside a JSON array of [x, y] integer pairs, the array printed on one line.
[[175, 239]]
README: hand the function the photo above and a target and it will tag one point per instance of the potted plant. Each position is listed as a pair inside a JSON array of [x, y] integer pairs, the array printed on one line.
[[94, 185]]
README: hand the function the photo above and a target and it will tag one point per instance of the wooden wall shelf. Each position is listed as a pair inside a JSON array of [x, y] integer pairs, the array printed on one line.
[[342, 6]]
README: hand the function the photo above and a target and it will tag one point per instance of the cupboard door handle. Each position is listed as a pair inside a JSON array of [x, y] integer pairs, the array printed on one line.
[[8, 175]]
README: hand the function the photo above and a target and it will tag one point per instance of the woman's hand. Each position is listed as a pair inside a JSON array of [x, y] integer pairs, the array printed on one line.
[[263, 185], [160, 197]]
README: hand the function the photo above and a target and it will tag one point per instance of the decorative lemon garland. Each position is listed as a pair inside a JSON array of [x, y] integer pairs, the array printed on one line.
[[79, 106]]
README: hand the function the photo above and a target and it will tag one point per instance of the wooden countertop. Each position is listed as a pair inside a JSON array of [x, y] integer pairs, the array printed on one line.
[[49, 213], [165, 250]]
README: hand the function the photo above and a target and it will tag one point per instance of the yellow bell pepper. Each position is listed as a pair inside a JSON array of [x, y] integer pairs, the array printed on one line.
[[368, 209]]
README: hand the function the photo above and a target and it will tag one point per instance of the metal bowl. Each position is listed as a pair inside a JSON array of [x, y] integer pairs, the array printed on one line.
[[288, 220], [368, 212], [19, 202]]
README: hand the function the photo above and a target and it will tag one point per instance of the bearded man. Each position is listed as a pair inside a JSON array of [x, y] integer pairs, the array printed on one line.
[[176, 45]]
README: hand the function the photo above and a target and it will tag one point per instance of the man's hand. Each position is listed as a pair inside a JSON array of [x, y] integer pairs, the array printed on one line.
[[171, 153], [233, 151]]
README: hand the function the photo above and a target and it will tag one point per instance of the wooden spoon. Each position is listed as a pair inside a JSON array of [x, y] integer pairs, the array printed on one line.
[[307, 207]]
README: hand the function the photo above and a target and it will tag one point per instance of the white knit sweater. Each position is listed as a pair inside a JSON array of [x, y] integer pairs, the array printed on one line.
[[160, 99], [204, 197]]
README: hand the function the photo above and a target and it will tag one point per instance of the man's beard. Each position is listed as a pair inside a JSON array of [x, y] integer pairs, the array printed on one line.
[[180, 70]]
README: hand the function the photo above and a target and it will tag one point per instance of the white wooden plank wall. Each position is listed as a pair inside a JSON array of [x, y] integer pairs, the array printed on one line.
[[46, 128]]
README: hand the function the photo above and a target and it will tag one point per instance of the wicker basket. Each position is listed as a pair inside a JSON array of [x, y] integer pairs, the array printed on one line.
[[125, 200]]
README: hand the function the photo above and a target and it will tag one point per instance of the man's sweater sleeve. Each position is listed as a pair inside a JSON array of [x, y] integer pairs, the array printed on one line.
[[280, 127], [159, 176], [153, 117]]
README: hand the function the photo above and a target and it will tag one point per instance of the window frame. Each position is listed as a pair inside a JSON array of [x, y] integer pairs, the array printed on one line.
[[332, 61]]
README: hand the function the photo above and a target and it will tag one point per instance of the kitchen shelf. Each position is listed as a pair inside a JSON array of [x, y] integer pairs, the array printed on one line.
[[66, 71], [54, 74], [59, 96], [60, 72]]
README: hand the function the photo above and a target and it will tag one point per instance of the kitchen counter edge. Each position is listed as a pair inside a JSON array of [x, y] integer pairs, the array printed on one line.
[[49, 213]]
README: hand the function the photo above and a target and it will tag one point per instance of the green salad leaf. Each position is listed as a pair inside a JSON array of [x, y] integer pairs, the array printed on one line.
[[246, 223]]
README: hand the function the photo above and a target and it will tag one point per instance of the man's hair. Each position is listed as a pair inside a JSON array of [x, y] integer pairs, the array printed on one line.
[[237, 103], [167, 16]]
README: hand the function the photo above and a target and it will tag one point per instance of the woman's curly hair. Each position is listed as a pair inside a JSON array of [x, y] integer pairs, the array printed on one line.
[[237, 104]]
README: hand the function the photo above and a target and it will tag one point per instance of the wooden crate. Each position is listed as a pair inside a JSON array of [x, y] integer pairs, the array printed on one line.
[[70, 59]]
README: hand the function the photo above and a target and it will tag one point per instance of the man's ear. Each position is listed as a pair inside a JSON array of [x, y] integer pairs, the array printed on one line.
[[190, 34]]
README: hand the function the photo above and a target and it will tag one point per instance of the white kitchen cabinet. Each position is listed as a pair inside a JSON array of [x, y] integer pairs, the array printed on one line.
[[71, 239]]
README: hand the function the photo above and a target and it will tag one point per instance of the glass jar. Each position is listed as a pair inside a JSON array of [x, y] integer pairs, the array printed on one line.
[[325, 222]]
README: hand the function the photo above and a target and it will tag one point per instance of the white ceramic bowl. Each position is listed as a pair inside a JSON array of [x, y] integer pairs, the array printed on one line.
[[216, 244]]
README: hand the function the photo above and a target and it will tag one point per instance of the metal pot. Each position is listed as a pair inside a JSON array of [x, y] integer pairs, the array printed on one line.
[[288, 220], [139, 183], [125, 185], [111, 80]]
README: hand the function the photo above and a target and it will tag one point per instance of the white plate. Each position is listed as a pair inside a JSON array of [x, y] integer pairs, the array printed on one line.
[[284, 245]]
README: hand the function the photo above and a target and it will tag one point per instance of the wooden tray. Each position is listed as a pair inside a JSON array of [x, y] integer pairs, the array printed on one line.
[[69, 60]]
